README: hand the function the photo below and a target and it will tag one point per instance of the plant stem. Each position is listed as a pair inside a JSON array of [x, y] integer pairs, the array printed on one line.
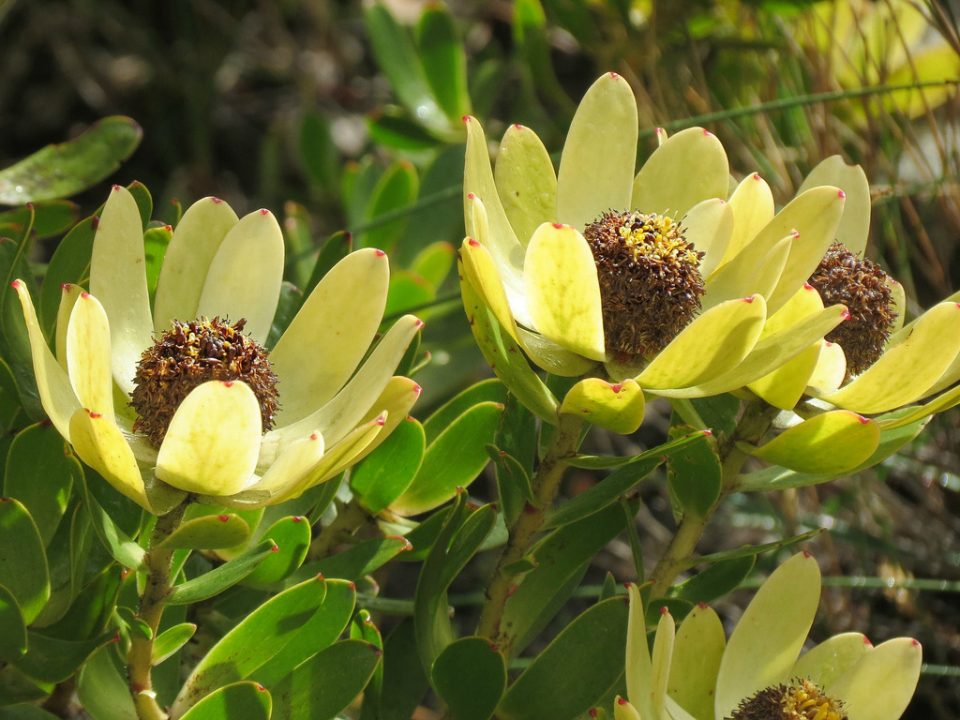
[[753, 423], [139, 659], [545, 484], [349, 518]]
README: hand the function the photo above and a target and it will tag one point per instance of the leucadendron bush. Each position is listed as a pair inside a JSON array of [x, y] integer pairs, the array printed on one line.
[[247, 474]]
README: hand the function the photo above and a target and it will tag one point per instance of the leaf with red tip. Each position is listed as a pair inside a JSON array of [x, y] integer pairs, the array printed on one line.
[[240, 701], [210, 532], [292, 536], [220, 578]]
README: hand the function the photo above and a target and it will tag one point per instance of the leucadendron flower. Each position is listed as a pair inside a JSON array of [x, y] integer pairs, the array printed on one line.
[[692, 673], [184, 397], [862, 376], [674, 288]]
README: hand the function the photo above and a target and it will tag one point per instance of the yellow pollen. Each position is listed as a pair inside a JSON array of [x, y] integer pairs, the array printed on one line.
[[805, 701]]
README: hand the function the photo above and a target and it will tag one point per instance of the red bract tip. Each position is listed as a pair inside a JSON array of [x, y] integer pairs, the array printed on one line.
[[794, 233], [264, 211], [228, 383], [660, 131], [94, 415], [94, 223], [915, 642], [707, 133], [756, 176], [748, 299], [828, 343], [708, 432], [593, 712], [956, 305], [559, 226], [472, 243], [617, 387], [261, 688], [863, 420], [15, 284], [664, 610], [866, 641], [628, 585], [115, 188], [115, 638], [379, 253], [223, 518], [314, 436], [275, 548], [64, 286], [466, 119], [471, 196], [807, 286], [320, 577], [216, 200], [352, 585], [168, 228], [845, 315], [621, 701], [297, 518], [807, 554], [381, 421], [841, 194], [419, 323], [517, 126], [417, 390], [702, 605], [84, 295], [613, 75]]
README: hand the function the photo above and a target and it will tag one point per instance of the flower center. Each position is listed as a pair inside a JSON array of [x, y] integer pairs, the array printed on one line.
[[650, 281], [864, 288], [796, 700], [190, 354]]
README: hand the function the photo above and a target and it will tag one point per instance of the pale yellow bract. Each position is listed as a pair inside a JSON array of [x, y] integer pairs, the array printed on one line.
[[332, 413], [694, 673]]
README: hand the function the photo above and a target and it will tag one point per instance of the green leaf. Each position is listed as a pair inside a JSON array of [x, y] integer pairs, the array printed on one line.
[[23, 563], [209, 532], [335, 248], [398, 60], [70, 264], [453, 460], [25, 711], [102, 688], [754, 550], [561, 560], [444, 61], [291, 298], [240, 701], [170, 641], [490, 390], [459, 539], [15, 687], [470, 675], [434, 262], [253, 642], [40, 473], [51, 218], [326, 684], [513, 483], [292, 535], [144, 201], [387, 472], [317, 151], [395, 190], [13, 630], [407, 292], [320, 631], [716, 581], [575, 670], [618, 483], [395, 129], [360, 560], [695, 474], [124, 550], [50, 659], [90, 611], [220, 578], [155, 242], [62, 170], [404, 681]]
